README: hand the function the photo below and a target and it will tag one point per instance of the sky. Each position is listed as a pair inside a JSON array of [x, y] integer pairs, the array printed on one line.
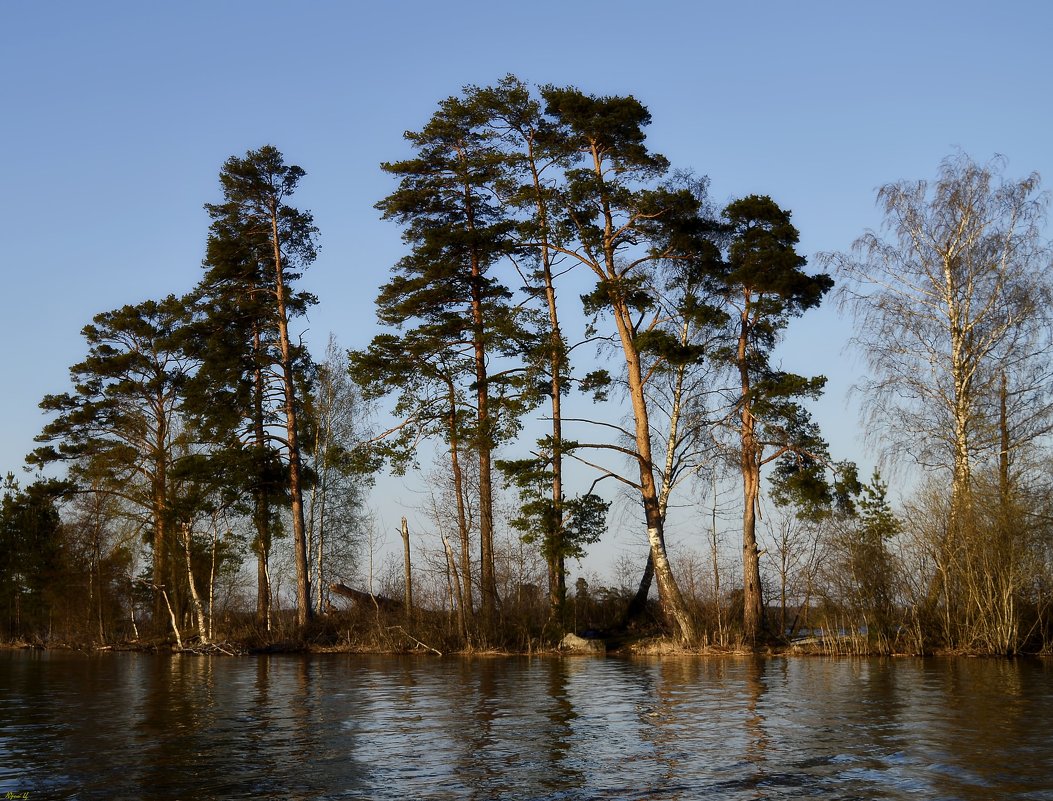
[[115, 118]]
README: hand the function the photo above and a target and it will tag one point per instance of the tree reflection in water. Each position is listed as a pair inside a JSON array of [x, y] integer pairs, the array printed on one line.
[[384, 727]]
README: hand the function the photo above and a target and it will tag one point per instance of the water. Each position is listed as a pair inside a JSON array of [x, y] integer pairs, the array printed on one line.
[[139, 726]]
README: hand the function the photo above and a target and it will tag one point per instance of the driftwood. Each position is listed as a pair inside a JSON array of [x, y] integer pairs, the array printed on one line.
[[365, 598], [418, 642], [209, 648]]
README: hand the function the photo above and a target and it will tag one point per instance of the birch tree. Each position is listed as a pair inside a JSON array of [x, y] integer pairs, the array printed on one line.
[[949, 297], [951, 300], [335, 507]]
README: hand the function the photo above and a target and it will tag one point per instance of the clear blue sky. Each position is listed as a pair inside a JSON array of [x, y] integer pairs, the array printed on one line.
[[116, 117]]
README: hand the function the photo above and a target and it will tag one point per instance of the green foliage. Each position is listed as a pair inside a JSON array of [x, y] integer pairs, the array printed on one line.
[[430, 399], [233, 401], [116, 420], [813, 485], [597, 383], [119, 431], [765, 282], [453, 312], [762, 255], [563, 531], [614, 125], [585, 523], [255, 187], [878, 522], [632, 291], [31, 555], [864, 569]]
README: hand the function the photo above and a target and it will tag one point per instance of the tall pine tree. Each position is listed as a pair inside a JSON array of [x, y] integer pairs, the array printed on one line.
[[119, 427], [765, 286], [444, 294], [256, 231], [622, 230]]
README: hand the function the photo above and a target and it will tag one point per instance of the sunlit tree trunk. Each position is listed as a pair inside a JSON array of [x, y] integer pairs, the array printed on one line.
[[292, 433], [195, 595], [749, 465]]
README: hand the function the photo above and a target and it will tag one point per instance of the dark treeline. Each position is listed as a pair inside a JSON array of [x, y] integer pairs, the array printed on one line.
[[198, 427], [556, 269]]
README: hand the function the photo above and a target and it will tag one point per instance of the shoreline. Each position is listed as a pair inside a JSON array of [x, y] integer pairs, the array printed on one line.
[[643, 647]]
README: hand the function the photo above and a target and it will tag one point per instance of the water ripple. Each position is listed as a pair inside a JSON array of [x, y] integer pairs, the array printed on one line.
[[359, 727]]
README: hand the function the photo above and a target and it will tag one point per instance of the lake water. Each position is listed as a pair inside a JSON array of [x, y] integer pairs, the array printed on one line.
[[140, 726]]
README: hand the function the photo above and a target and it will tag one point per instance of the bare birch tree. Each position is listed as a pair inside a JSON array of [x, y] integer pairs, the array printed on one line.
[[334, 507], [951, 302], [950, 296]]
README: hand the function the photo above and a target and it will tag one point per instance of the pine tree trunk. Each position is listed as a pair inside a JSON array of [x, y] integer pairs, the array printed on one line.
[[462, 514], [556, 545], [557, 583], [261, 513], [303, 590], [753, 604], [160, 543], [483, 440], [484, 447], [752, 600], [672, 600]]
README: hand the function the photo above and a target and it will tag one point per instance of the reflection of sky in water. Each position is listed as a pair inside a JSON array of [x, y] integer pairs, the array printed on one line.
[[337, 726]]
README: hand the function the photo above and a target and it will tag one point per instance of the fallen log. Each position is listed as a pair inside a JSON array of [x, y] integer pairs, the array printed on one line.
[[365, 598]]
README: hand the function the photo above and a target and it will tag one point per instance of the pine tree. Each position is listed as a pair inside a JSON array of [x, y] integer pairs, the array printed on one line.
[[31, 556], [623, 230], [272, 242], [443, 292], [766, 286], [119, 428], [534, 151], [237, 397]]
